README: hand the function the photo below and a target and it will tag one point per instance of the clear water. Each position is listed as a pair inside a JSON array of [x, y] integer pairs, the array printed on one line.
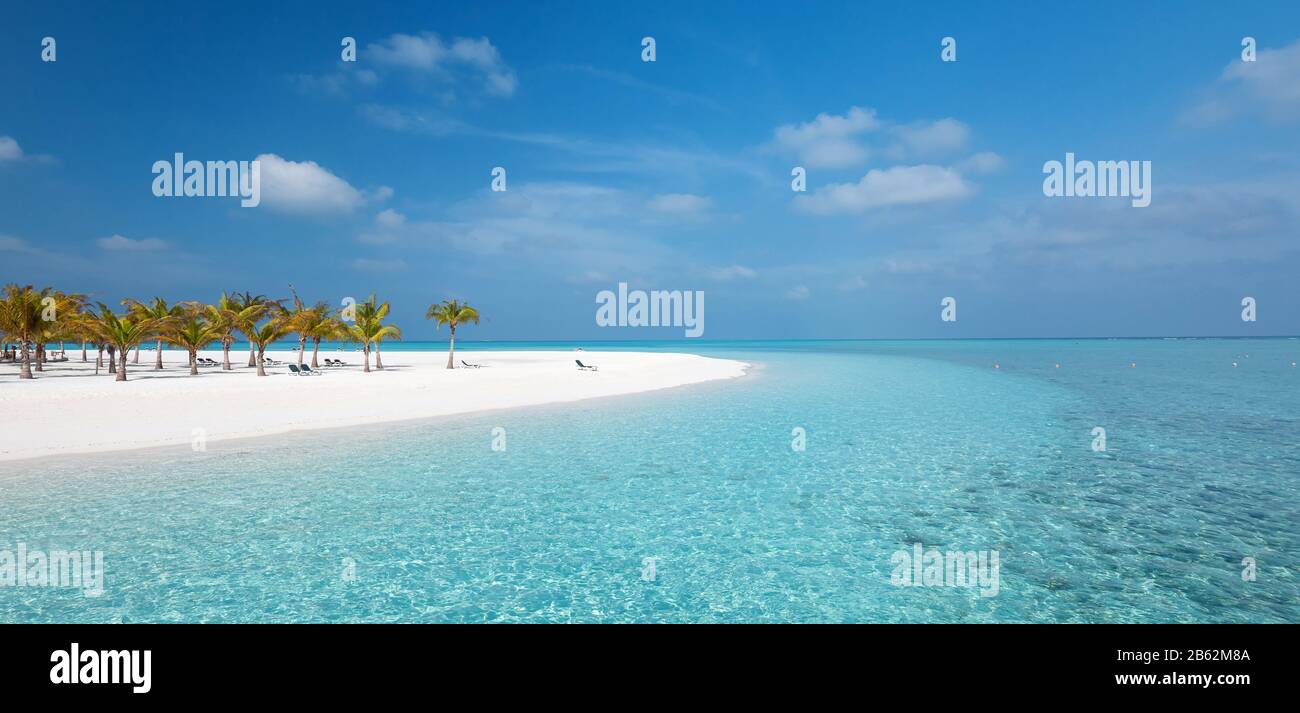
[[906, 442]]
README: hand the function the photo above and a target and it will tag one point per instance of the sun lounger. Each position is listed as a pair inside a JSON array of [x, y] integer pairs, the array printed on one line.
[[306, 370], [584, 367], [471, 366], [298, 372]]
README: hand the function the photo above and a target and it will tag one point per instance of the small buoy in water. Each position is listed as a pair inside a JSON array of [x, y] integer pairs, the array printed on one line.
[[1058, 365], [1234, 365], [1133, 365], [997, 365], [1293, 364]]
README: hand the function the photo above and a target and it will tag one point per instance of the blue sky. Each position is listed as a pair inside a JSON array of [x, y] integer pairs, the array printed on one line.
[[924, 177]]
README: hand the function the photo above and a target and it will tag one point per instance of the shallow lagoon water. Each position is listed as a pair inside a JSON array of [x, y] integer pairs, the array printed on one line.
[[907, 442]]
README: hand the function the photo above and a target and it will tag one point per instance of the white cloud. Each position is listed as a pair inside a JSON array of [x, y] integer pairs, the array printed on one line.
[[853, 284], [338, 83], [900, 185], [681, 204], [428, 53], [8, 243], [1268, 88], [734, 272], [373, 265], [121, 243], [305, 188], [9, 149], [574, 230], [799, 292], [388, 228], [390, 218], [983, 162], [828, 141], [931, 138]]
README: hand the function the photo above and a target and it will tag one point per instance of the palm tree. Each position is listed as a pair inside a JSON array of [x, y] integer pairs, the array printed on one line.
[[60, 316], [370, 332], [193, 334], [300, 317], [225, 317], [122, 333], [22, 317], [165, 315], [251, 309], [322, 324], [262, 336], [372, 314], [451, 313], [387, 331]]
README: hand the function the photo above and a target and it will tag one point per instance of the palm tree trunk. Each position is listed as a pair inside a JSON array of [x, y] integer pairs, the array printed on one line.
[[40, 357], [137, 354], [367, 350], [83, 351], [121, 371], [315, 348], [451, 353], [157, 365], [194, 363], [99, 358], [379, 362], [302, 345], [26, 372], [225, 356], [252, 360], [112, 359], [261, 352]]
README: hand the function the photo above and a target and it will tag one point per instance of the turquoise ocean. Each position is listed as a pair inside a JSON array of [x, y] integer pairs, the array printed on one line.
[[691, 505]]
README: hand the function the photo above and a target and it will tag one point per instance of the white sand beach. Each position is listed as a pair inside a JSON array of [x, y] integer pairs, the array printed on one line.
[[67, 410]]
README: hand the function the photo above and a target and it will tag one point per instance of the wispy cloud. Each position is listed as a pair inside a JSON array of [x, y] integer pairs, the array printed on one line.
[[860, 135], [9, 149], [9, 243], [684, 205], [121, 243], [377, 265], [734, 272], [900, 185], [589, 155], [928, 139], [428, 54], [464, 65], [671, 94], [1268, 89], [558, 228]]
